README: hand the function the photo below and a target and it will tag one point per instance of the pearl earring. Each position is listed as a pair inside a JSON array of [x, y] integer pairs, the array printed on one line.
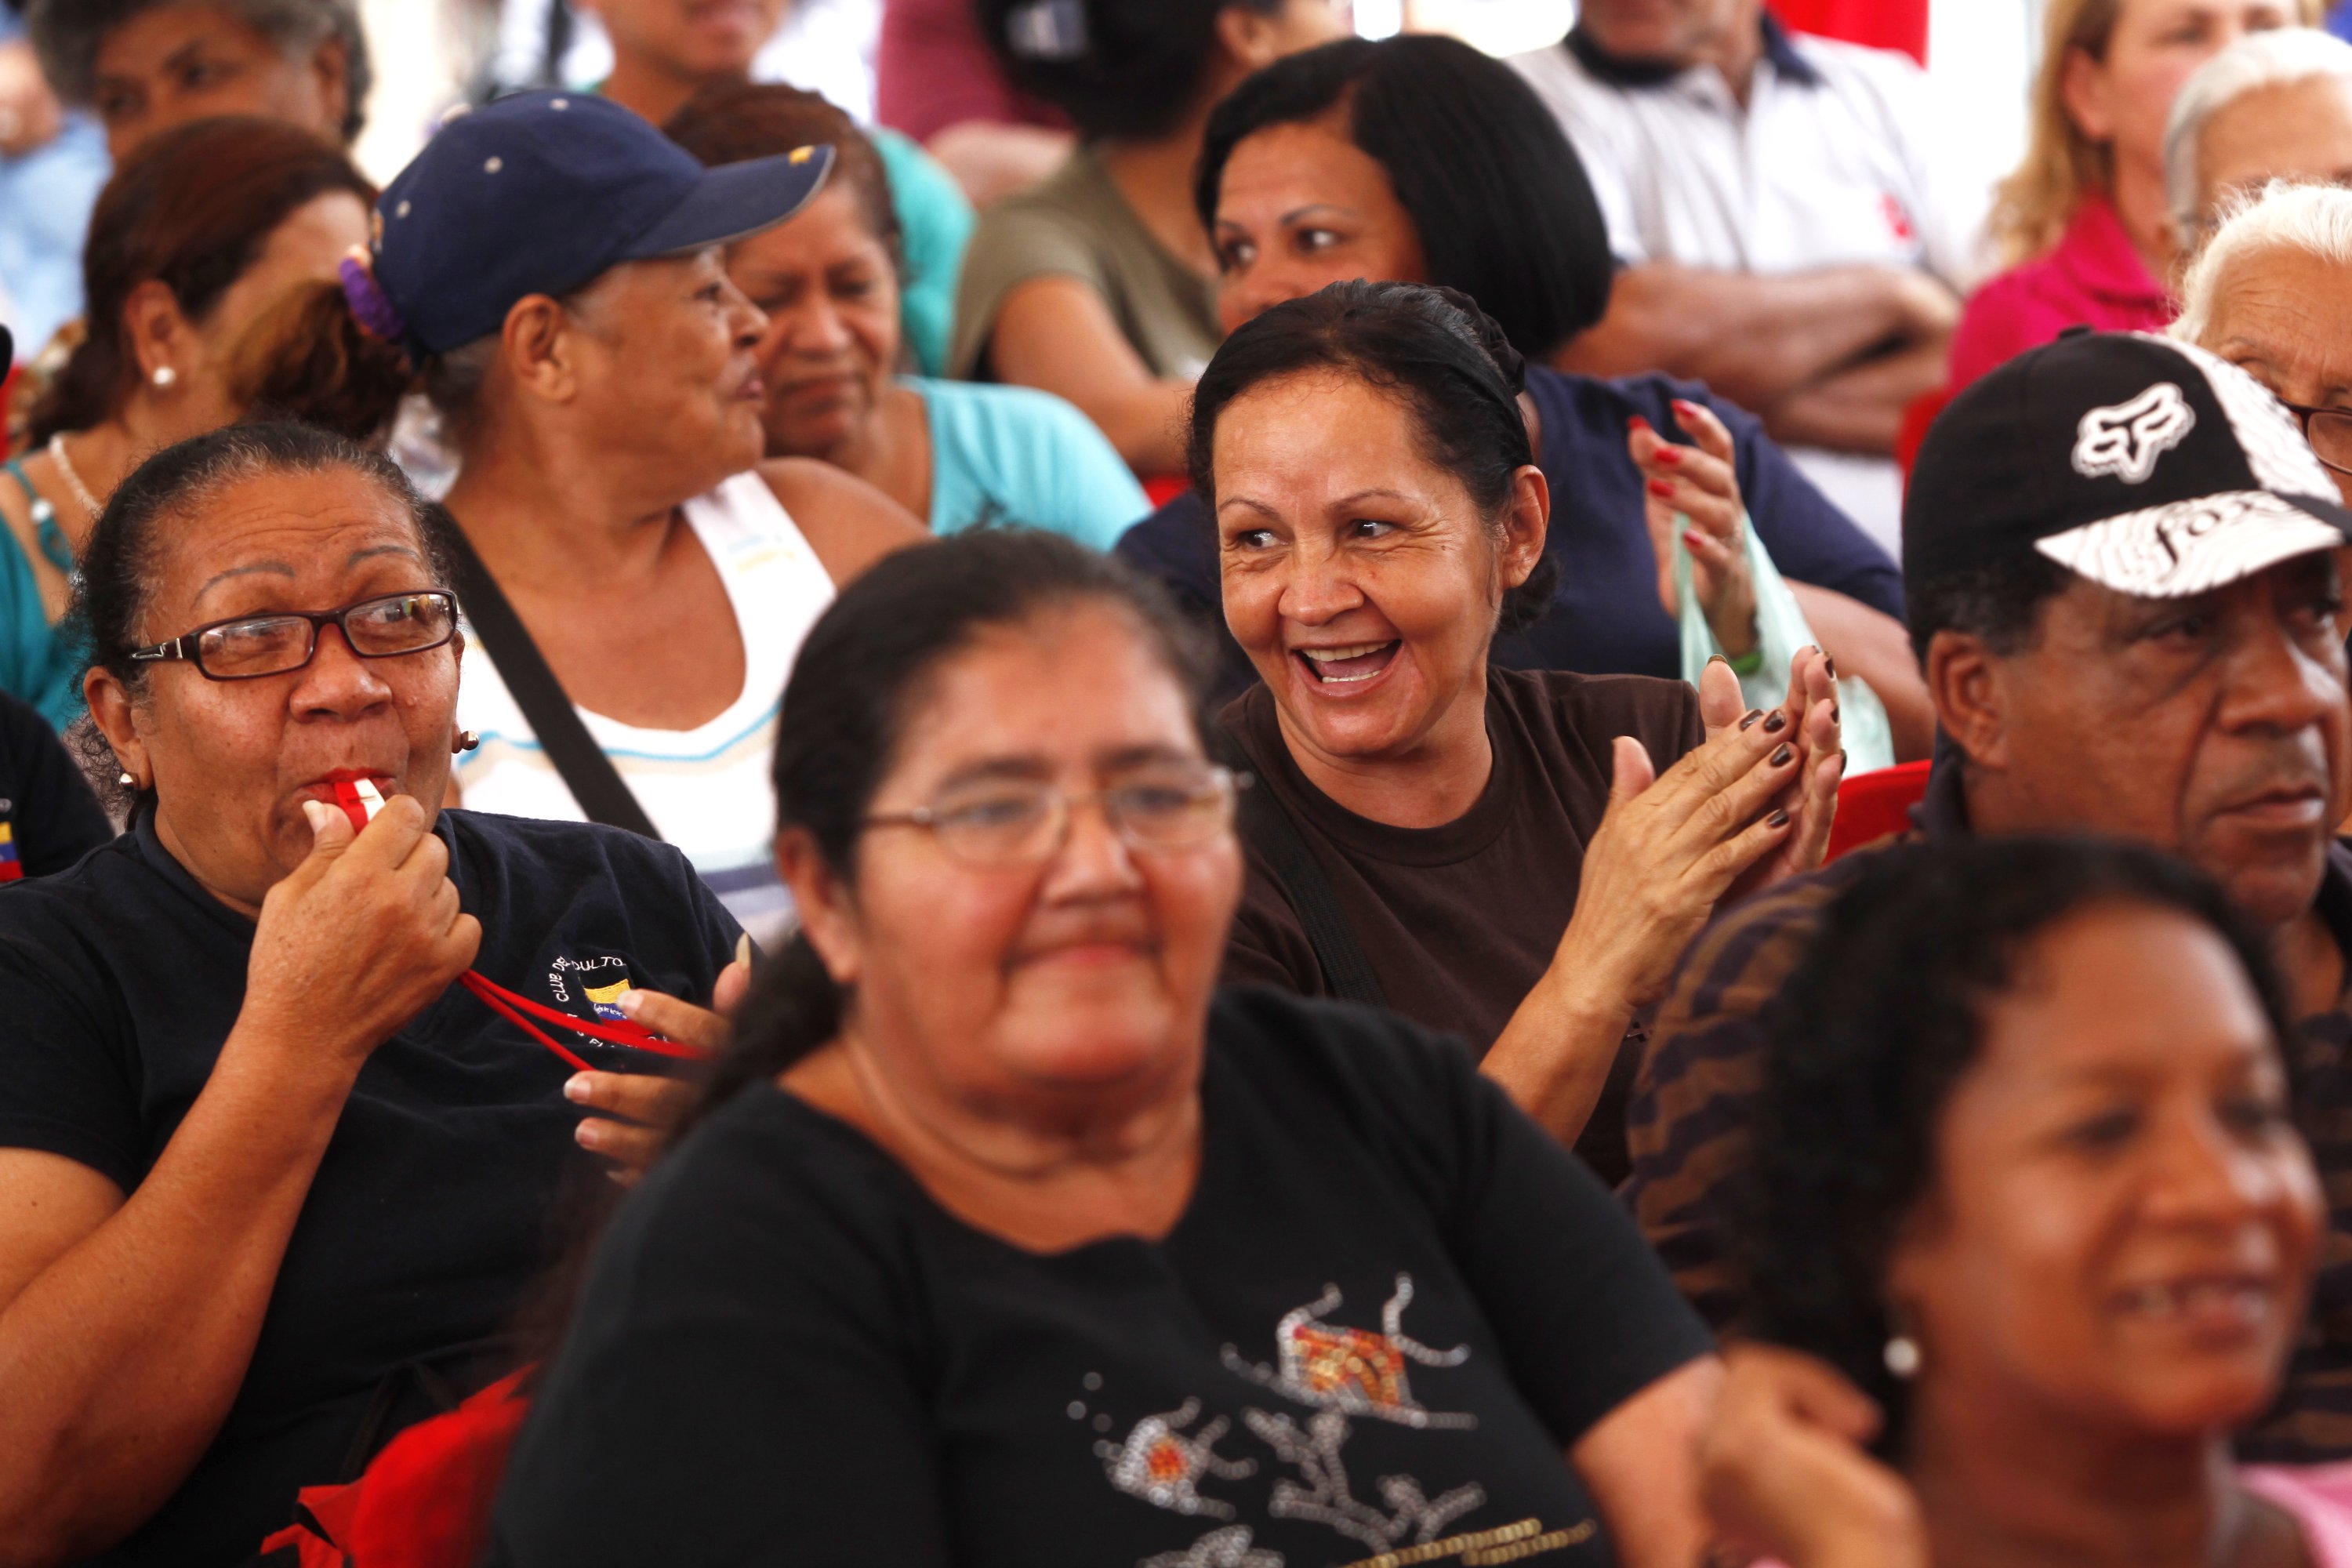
[[467, 740], [1903, 1357], [165, 377], [126, 781]]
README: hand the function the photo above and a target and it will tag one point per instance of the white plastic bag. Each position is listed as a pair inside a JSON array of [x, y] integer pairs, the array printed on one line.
[[1780, 631]]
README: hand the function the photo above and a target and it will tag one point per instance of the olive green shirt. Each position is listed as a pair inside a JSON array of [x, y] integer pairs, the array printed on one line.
[[1076, 224]]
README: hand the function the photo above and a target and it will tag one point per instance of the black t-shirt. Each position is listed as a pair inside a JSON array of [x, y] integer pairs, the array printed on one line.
[[48, 817], [1390, 1307], [433, 1209]]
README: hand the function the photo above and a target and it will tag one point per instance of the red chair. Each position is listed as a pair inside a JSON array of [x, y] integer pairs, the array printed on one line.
[[1873, 806]]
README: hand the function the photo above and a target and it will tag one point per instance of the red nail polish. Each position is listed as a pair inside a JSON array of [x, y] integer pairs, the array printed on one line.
[[1637, 423], [1670, 454], [1696, 540], [1663, 489]]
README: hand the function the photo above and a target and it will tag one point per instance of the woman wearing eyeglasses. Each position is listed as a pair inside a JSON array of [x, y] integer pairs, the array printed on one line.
[[1000, 1240], [2252, 297], [271, 1186]]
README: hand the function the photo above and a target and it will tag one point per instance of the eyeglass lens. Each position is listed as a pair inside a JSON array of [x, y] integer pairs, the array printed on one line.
[[378, 629], [1010, 821], [2330, 432]]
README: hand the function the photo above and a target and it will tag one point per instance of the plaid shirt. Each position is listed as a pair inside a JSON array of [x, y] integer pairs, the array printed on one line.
[[1687, 1123]]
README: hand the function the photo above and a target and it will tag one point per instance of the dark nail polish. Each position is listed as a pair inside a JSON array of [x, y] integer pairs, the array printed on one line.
[[1778, 820], [1780, 758], [1834, 712], [1753, 713], [1778, 722], [1829, 665], [1717, 659]]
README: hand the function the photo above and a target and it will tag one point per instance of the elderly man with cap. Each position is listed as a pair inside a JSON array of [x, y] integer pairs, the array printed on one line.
[[2119, 562], [636, 577]]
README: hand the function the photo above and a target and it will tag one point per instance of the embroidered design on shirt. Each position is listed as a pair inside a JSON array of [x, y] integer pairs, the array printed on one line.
[[2127, 438], [1327, 1497], [1226, 1548], [1158, 1464], [1330, 1367], [606, 1000]]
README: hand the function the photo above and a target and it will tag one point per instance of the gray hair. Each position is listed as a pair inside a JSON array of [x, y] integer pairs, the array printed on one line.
[[66, 34], [2280, 57], [2314, 219]]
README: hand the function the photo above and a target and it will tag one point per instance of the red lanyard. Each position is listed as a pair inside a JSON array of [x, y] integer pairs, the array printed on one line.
[[359, 801], [519, 1011]]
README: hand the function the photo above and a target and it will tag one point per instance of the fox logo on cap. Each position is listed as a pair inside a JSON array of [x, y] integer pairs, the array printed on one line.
[[2127, 438]]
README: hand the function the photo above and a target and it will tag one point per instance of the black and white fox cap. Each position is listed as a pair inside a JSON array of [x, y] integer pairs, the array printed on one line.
[[2147, 466]]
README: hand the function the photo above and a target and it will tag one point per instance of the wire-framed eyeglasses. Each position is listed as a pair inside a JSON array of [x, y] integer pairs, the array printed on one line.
[[2330, 431], [251, 647], [1025, 822]]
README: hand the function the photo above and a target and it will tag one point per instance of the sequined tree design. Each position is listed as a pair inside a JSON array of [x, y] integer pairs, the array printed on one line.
[[1226, 1548], [1160, 1465], [1328, 1498], [1330, 1367]]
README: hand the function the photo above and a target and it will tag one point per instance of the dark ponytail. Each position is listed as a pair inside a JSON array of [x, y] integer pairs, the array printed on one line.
[[858, 679], [308, 358], [1451, 364]]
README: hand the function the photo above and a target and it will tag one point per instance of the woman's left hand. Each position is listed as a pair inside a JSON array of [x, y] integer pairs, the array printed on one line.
[[1696, 488], [1811, 711], [637, 1110]]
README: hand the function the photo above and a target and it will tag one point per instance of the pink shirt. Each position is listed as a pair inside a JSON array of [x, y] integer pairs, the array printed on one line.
[[2092, 277], [2320, 1497]]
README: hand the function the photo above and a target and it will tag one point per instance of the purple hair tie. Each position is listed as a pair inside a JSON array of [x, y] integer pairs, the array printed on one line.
[[370, 305]]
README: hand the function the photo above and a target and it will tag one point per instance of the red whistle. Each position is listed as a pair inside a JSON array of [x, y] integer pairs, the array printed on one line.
[[359, 801]]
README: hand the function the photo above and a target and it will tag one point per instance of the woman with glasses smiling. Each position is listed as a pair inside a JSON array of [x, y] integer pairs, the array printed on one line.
[[999, 1239], [270, 1186]]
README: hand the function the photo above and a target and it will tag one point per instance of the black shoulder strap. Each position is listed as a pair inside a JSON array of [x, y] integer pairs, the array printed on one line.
[[1266, 827], [579, 760]]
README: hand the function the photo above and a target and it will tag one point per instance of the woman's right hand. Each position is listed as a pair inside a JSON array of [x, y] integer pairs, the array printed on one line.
[[360, 939], [1784, 1472], [1669, 847]]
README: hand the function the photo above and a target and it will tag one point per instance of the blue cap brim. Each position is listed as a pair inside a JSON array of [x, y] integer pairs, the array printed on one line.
[[736, 200]]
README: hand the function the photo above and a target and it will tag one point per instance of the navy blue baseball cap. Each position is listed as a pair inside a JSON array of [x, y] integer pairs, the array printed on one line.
[[543, 193]]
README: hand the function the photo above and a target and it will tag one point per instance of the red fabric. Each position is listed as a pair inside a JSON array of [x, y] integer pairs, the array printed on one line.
[[426, 1500], [1917, 417], [1873, 806], [1161, 489], [1882, 24], [2094, 276], [932, 70]]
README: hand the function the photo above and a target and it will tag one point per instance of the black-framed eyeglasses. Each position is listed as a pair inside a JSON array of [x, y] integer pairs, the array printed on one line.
[[2330, 431], [1024, 822], [251, 647]]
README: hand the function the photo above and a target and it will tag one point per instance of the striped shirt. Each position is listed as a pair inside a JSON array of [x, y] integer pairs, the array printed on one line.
[[1686, 1127]]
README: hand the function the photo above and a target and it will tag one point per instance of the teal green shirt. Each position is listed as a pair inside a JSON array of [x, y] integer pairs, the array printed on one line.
[[1009, 456], [40, 663], [935, 225]]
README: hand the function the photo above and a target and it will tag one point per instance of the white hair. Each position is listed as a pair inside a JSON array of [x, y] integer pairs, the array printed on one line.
[[2278, 58], [2316, 220]]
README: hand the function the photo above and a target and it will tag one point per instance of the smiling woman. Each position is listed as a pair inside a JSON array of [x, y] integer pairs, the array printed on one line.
[[1519, 857], [269, 1188], [2030, 1224], [1001, 1240]]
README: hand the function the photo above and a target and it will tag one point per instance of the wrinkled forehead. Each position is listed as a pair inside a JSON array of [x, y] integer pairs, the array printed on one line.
[[275, 536]]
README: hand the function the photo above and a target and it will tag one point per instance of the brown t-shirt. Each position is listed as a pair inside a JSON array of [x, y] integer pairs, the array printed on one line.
[[1459, 922]]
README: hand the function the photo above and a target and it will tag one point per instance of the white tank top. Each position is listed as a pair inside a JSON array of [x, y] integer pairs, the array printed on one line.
[[706, 789]]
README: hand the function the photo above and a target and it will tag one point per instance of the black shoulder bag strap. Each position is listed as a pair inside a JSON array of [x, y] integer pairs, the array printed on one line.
[[579, 760], [1266, 827]]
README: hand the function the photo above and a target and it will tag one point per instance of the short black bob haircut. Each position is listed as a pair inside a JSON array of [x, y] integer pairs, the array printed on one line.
[[1434, 352], [1123, 70], [1882, 1019], [1499, 197]]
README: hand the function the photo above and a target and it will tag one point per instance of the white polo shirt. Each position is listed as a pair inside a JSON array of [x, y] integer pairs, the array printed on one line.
[[1826, 165]]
